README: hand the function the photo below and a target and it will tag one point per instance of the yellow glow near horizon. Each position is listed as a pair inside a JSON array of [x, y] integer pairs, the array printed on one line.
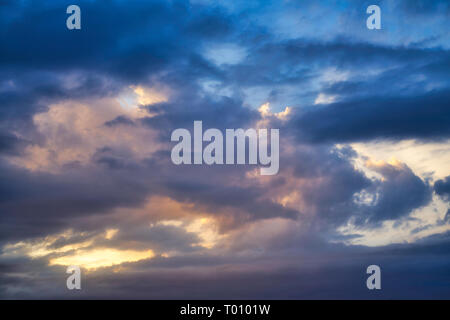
[[41, 249], [82, 253], [105, 257]]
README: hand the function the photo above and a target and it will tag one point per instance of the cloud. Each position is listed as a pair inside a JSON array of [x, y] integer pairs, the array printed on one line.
[[85, 170], [376, 118], [442, 187]]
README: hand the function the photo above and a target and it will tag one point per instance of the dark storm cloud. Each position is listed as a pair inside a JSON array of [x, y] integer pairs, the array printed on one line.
[[217, 189], [400, 193], [335, 181], [422, 117], [124, 43], [36, 204], [442, 187], [10, 144], [293, 61], [115, 27], [400, 108], [333, 195]]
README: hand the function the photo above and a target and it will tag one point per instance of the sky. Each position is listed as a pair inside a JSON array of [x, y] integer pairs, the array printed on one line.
[[86, 176]]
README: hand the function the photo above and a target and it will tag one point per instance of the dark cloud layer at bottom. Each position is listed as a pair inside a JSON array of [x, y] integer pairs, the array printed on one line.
[[405, 269]]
